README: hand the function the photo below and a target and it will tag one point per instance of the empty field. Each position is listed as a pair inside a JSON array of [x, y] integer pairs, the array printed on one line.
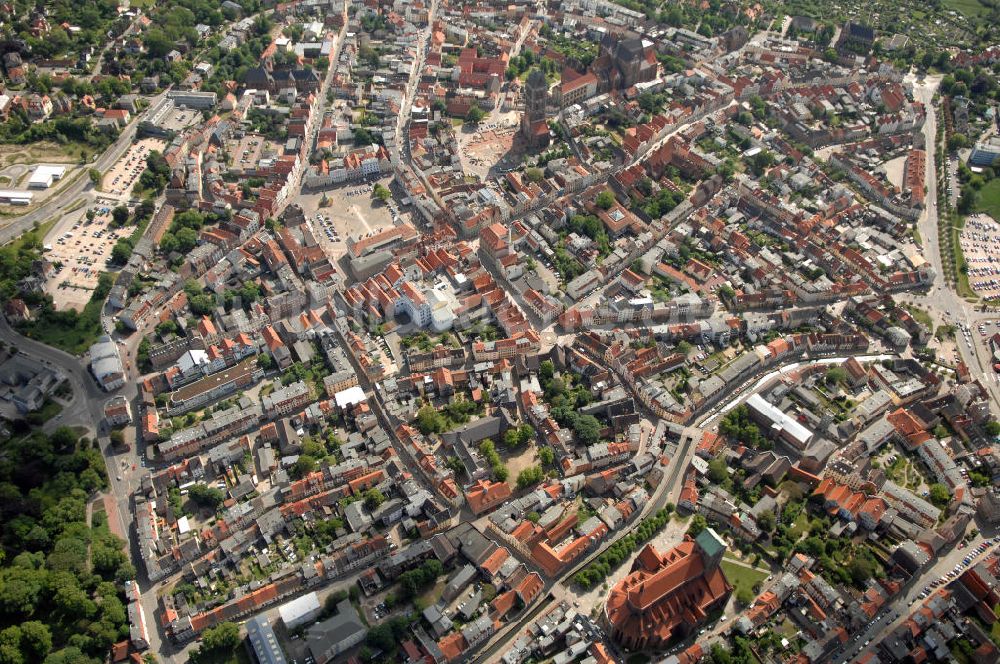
[[970, 8], [34, 153]]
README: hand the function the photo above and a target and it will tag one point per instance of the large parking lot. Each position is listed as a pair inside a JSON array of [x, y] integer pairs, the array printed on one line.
[[246, 152], [81, 248], [351, 211], [981, 247], [123, 175]]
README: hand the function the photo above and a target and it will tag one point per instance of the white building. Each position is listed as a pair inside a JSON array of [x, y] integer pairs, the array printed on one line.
[[106, 364], [44, 176], [15, 197], [300, 611]]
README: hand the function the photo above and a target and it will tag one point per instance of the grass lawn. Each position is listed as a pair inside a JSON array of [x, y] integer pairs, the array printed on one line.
[[42, 230], [48, 410], [237, 656], [42, 151], [800, 526], [74, 336], [971, 8], [920, 316], [432, 594], [787, 629], [742, 577], [988, 200], [68, 330]]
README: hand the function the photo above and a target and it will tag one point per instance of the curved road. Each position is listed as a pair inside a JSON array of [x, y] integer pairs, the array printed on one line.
[[663, 494], [66, 196]]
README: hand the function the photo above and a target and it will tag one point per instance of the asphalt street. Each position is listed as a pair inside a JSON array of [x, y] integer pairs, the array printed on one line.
[[81, 185]]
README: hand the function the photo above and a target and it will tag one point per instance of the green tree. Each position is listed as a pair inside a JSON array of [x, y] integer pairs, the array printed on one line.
[[530, 476], [860, 570], [206, 496], [546, 370], [119, 215], [429, 420], [720, 655], [215, 641], [36, 640], [373, 498], [835, 376], [121, 251], [304, 465], [10, 646], [939, 494], [546, 456], [718, 470], [95, 176], [697, 525], [587, 429], [605, 200], [187, 238], [744, 596], [766, 521], [475, 115], [381, 192]]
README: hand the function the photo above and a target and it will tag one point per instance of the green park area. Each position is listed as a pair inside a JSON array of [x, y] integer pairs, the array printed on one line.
[[743, 578], [988, 200]]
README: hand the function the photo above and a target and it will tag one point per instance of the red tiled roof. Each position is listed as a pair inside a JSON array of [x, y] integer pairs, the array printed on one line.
[[664, 593]]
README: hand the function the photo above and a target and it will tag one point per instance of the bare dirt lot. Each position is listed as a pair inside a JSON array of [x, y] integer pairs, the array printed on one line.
[[894, 170], [35, 153], [522, 458], [482, 147], [82, 248]]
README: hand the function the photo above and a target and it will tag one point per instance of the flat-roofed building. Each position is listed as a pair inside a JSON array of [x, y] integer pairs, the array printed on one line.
[[779, 424], [44, 176], [300, 611], [15, 197], [262, 642], [215, 386]]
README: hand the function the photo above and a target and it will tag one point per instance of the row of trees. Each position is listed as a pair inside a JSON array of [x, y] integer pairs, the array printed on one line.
[[156, 175], [621, 550], [488, 449], [519, 435], [18, 128], [530, 476], [122, 250]]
